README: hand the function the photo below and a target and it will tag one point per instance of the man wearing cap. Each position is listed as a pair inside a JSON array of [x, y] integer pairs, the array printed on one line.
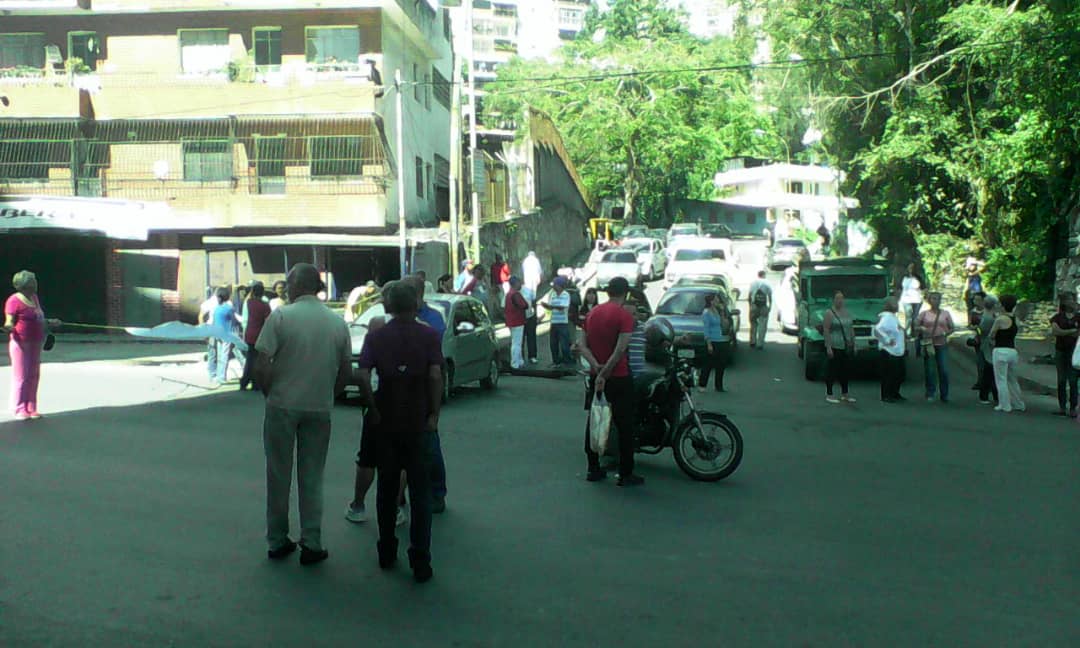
[[608, 329], [464, 277], [558, 303]]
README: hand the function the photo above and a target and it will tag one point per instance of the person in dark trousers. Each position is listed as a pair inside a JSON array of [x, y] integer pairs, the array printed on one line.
[[839, 332], [892, 346], [1065, 325], [607, 336], [257, 311], [434, 319], [717, 330], [987, 385], [408, 358]]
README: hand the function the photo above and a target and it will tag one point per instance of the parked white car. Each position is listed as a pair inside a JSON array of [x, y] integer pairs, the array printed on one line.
[[683, 230], [700, 256], [651, 254], [619, 262]]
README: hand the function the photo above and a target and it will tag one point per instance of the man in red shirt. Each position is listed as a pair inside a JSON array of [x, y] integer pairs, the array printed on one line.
[[607, 335], [257, 312], [514, 313], [500, 278]]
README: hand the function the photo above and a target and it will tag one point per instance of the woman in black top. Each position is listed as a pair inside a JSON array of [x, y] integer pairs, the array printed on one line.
[[1003, 337]]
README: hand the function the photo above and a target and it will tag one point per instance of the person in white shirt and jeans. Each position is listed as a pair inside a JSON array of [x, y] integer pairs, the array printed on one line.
[[760, 306], [558, 302], [892, 346]]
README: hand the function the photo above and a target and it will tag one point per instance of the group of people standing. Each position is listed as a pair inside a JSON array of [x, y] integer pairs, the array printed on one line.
[[242, 312]]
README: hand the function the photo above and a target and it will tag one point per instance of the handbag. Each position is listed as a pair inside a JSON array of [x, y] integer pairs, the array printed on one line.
[[599, 424]]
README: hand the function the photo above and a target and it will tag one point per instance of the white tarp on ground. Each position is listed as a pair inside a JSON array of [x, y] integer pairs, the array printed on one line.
[[118, 219], [182, 331]]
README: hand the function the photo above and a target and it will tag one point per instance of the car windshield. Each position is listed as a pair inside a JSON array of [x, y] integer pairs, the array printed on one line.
[[853, 286], [700, 255], [684, 229], [789, 243], [626, 256], [682, 303]]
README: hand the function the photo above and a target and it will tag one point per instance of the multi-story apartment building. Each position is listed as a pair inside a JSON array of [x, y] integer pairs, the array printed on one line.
[[246, 117]]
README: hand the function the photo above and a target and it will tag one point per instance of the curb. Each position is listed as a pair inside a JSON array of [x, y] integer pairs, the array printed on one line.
[[959, 347]]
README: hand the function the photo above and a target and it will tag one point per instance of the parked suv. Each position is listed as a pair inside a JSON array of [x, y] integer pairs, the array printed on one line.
[[865, 284]]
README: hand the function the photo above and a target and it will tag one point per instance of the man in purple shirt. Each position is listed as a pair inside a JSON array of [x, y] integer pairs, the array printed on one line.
[[408, 358]]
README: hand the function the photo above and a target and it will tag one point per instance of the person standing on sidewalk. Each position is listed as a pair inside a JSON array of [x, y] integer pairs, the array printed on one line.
[[892, 346], [1006, 358], [500, 279], [987, 384], [27, 326], [717, 331], [514, 314], [934, 327], [408, 358], [1065, 325], [434, 319], [223, 319], [975, 314], [303, 363], [558, 302], [760, 299], [911, 299], [607, 337], [257, 311], [838, 329]]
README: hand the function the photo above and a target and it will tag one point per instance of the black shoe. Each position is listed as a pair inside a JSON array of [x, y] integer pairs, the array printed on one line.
[[387, 553], [438, 504], [421, 566], [599, 474], [630, 480], [311, 557], [282, 551]]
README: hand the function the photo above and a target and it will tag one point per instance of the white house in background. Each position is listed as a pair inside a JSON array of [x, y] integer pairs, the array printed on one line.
[[793, 194]]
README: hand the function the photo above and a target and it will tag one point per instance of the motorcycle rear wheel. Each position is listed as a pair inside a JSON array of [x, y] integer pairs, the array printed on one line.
[[709, 453]]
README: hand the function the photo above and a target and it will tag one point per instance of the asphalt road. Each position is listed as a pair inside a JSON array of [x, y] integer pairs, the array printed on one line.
[[133, 516]]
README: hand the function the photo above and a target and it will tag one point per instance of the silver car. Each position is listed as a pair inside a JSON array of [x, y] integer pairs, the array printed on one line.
[[620, 262], [469, 345]]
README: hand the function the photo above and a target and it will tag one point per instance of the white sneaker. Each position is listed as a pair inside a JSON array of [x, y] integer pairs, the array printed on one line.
[[832, 399], [402, 516], [356, 514]]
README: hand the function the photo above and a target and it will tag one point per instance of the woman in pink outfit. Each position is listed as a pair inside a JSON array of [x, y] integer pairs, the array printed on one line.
[[25, 322]]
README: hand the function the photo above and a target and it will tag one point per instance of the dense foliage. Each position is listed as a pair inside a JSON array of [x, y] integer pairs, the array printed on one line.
[[954, 117]]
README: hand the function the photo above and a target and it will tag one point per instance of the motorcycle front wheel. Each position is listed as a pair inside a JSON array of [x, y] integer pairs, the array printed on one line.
[[709, 452]]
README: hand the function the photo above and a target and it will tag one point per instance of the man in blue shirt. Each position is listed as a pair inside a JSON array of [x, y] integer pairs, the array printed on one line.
[[223, 318], [558, 302]]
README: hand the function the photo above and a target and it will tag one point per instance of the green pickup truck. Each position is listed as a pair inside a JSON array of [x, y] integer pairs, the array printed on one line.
[[865, 284]]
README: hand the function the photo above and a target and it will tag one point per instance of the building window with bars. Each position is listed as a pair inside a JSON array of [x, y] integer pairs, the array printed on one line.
[[267, 42], [22, 50], [332, 48], [204, 51], [85, 46], [25, 160], [419, 177], [208, 160], [336, 156], [440, 88]]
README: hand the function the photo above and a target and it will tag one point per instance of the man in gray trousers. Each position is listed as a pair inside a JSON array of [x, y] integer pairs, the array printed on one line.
[[303, 362]]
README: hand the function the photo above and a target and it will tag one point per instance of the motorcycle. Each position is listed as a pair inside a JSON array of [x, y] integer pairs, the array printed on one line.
[[707, 445]]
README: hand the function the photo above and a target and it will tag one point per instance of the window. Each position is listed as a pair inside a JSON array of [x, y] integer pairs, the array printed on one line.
[[204, 51], [270, 164], [267, 45], [207, 160], [699, 255], [427, 91], [419, 177], [336, 156], [26, 160], [418, 90], [22, 50], [441, 89], [332, 46], [794, 186], [570, 18], [431, 188], [85, 46]]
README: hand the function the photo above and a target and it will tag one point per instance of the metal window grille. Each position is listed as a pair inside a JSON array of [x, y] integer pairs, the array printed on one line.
[[22, 50]]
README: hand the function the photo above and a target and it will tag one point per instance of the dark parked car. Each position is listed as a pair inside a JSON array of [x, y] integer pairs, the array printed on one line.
[[683, 305]]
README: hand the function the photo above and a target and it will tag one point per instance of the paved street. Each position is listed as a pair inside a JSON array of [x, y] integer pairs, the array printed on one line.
[[140, 523]]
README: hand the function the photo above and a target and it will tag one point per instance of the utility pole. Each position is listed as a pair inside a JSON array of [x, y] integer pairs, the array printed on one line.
[[455, 167], [403, 240], [475, 252]]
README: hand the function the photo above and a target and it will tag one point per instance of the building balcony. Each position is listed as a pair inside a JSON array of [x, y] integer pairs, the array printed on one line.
[[33, 93]]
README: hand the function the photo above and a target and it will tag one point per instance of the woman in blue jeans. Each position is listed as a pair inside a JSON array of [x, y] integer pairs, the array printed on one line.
[[716, 323], [934, 326]]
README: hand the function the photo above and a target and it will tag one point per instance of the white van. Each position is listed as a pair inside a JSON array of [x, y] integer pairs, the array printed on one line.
[[683, 230], [700, 256]]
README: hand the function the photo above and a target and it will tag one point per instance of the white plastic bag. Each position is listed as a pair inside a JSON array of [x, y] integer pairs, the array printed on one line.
[[1076, 357], [599, 424]]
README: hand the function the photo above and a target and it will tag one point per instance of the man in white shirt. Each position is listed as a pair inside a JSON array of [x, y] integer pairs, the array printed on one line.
[[760, 305], [303, 362], [558, 302], [531, 272], [892, 346]]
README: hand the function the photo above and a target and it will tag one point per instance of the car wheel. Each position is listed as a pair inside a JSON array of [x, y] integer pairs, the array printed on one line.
[[491, 381]]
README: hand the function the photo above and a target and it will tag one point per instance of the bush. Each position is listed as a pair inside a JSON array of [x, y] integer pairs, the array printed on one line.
[[943, 256]]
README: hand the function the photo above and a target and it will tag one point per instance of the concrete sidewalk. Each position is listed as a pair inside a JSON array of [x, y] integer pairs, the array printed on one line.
[[1035, 374]]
